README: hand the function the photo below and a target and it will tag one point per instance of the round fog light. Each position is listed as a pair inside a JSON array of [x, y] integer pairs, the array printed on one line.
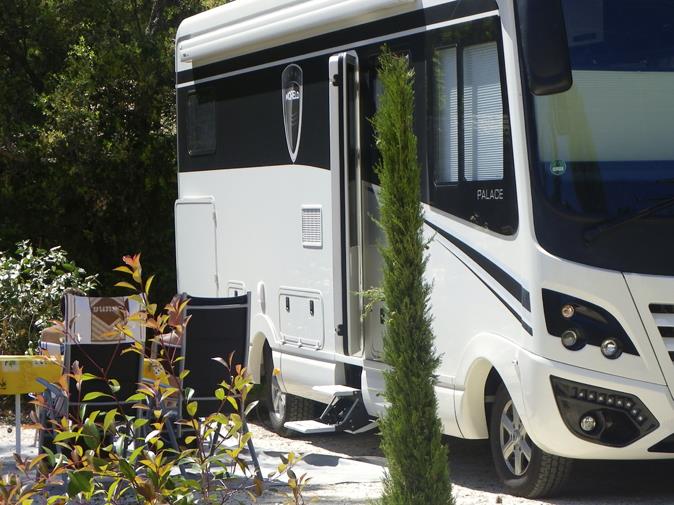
[[610, 348], [570, 339], [588, 423]]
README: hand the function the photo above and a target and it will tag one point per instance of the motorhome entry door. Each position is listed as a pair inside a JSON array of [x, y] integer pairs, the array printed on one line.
[[346, 201]]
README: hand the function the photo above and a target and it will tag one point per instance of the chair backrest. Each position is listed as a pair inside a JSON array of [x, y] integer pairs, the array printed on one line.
[[217, 328], [108, 360], [98, 347], [91, 320]]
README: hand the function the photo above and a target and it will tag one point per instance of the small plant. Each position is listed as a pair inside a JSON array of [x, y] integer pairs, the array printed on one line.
[[295, 483], [411, 430], [32, 281]]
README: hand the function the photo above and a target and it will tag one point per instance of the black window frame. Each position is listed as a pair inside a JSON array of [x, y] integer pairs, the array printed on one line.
[[460, 198]]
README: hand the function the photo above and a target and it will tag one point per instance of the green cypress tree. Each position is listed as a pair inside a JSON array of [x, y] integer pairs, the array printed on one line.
[[411, 430]]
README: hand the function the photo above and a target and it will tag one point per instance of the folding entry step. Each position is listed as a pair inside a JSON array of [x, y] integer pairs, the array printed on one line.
[[345, 412]]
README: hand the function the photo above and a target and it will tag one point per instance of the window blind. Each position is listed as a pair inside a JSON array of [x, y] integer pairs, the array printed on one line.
[[447, 113], [482, 113]]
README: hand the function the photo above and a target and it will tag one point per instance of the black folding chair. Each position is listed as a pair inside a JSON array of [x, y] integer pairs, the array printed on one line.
[[91, 342], [217, 328]]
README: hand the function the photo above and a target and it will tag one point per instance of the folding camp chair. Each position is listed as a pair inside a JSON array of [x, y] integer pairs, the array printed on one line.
[[217, 328], [93, 342]]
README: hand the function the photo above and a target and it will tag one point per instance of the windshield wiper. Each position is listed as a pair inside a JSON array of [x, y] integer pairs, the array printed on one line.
[[593, 232]]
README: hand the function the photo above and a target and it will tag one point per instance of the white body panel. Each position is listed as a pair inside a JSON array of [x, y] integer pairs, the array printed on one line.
[[260, 248], [269, 201], [196, 249]]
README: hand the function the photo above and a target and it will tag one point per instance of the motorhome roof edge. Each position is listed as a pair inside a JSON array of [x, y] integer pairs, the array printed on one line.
[[248, 25]]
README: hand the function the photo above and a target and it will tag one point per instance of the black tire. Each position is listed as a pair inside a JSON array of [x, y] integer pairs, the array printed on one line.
[[540, 475], [294, 408]]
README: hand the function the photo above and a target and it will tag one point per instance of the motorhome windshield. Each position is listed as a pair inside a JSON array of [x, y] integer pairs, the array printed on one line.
[[604, 149]]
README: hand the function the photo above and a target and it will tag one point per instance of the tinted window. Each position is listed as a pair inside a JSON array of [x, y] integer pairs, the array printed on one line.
[[602, 152], [605, 146], [471, 164], [201, 122]]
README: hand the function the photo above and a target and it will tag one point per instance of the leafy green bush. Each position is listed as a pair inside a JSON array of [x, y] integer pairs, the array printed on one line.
[[411, 430], [32, 281]]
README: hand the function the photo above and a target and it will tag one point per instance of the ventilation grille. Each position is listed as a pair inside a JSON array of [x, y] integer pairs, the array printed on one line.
[[663, 314], [312, 228]]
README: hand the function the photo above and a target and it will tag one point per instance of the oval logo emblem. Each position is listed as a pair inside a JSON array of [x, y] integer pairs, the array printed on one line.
[[558, 167], [291, 95]]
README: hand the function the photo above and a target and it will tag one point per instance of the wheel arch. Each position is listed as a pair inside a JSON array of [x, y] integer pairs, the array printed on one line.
[[479, 376], [471, 409], [262, 332]]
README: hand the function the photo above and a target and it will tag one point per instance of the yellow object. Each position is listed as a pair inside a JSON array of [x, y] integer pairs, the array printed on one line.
[[152, 370], [18, 374]]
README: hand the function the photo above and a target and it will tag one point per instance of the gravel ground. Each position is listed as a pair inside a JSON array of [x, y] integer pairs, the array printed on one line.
[[338, 480], [475, 481]]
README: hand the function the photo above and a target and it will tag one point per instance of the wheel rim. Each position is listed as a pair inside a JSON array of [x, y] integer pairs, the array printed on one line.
[[515, 443], [278, 399]]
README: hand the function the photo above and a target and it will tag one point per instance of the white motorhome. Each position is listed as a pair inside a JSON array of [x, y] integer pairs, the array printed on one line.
[[546, 138]]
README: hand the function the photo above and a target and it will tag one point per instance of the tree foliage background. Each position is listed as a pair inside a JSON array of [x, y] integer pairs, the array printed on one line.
[[87, 129]]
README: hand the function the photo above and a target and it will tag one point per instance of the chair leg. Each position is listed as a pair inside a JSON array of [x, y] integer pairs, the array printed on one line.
[[214, 439], [171, 433], [251, 448], [45, 417], [127, 439]]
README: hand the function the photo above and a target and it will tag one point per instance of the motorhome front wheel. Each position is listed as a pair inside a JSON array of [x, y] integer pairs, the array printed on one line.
[[282, 407], [525, 469]]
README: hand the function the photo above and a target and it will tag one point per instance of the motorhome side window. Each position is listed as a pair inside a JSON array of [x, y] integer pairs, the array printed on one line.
[[201, 122], [471, 162]]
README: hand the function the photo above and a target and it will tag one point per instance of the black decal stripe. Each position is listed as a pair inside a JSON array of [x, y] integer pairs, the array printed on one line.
[[510, 308], [527, 328], [380, 28], [497, 273], [482, 261]]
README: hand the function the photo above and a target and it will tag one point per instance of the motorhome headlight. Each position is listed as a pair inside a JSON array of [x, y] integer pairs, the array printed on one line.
[[610, 348], [578, 323], [568, 311], [571, 339]]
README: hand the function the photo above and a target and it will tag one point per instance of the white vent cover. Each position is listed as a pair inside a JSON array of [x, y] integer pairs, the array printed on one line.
[[312, 227]]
